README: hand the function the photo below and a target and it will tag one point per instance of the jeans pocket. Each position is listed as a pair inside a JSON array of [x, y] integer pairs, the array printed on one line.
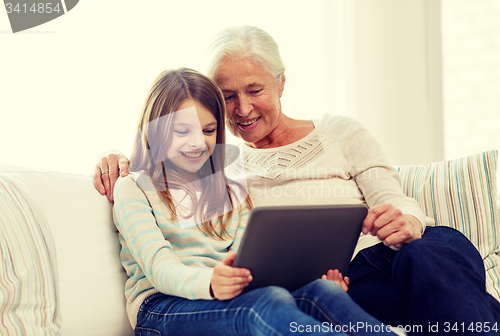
[[139, 331]]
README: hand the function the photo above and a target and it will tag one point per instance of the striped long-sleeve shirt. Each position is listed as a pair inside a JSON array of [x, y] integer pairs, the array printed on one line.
[[164, 255]]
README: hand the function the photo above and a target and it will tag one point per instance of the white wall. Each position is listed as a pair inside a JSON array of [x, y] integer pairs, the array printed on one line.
[[471, 76], [72, 88], [397, 76]]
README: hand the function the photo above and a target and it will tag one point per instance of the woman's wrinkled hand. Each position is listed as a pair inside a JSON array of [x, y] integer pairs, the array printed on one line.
[[391, 226], [109, 167]]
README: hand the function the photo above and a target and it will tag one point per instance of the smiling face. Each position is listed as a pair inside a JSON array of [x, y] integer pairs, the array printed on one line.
[[252, 98], [193, 137]]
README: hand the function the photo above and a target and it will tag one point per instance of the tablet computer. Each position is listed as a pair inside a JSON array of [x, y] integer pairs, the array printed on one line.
[[291, 246]]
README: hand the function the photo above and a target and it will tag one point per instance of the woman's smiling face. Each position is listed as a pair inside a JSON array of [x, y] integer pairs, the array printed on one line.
[[252, 98], [193, 136]]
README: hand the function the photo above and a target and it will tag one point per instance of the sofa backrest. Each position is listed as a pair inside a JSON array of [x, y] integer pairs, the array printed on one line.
[[91, 278]]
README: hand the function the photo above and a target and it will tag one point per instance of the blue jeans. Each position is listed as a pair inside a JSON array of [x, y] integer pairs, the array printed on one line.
[[320, 308], [437, 282]]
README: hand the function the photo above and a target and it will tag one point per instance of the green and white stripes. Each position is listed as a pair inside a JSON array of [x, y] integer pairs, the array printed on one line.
[[28, 271], [159, 254], [461, 193]]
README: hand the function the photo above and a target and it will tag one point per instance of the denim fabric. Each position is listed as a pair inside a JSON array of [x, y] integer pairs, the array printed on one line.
[[320, 308], [372, 285], [437, 282]]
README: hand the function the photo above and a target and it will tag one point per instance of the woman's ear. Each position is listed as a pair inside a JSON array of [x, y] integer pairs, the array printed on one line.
[[282, 83]]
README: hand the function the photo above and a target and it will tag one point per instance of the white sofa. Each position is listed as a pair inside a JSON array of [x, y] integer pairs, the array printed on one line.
[[88, 296], [91, 278]]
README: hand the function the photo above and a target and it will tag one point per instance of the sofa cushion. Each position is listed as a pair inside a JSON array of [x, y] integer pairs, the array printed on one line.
[[91, 278], [29, 294], [461, 193]]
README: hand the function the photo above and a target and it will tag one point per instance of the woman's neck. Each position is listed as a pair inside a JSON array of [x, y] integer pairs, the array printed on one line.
[[288, 131]]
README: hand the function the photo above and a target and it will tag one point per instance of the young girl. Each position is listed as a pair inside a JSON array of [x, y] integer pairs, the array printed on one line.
[[180, 219]]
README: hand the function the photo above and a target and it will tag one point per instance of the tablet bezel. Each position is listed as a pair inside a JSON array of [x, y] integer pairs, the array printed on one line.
[[290, 246]]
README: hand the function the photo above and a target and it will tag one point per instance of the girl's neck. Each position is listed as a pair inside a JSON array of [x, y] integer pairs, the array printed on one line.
[[192, 180]]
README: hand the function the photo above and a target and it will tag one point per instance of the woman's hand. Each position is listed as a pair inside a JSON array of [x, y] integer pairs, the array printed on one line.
[[227, 281], [109, 167], [336, 276], [391, 226]]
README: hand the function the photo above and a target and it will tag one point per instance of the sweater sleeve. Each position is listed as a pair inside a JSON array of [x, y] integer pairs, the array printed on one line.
[[242, 218], [376, 178], [241, 215], [136, 222]]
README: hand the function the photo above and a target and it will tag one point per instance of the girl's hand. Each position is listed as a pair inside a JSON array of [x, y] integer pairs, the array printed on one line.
[[336, 276], [227, 281]]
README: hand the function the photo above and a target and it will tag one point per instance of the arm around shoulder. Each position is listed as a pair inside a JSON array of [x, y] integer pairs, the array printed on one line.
[[109, 167]]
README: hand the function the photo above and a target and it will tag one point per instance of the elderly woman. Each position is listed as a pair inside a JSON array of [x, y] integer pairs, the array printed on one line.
[[401, 275]]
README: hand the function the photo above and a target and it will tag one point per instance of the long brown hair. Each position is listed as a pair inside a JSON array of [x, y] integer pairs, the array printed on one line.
[[169, 90]]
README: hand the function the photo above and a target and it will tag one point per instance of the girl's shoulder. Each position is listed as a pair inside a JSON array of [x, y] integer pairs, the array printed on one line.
[[124, 184], [134, 183]]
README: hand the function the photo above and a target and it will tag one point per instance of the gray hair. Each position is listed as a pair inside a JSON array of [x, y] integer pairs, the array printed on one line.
[[247, 42]]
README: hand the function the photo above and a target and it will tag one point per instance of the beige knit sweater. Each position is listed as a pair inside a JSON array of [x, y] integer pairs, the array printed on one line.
[[339, 162]]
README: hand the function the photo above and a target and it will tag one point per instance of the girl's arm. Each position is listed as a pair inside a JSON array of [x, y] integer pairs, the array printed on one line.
[[153, 254], [228, 282], [238, 234], [241, 213]]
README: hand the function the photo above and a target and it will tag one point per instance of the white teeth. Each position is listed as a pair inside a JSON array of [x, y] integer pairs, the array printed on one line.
[[193, 155], [248, 122]]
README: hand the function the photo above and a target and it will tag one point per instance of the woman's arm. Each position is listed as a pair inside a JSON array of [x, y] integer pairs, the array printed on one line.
[[393, 217]]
